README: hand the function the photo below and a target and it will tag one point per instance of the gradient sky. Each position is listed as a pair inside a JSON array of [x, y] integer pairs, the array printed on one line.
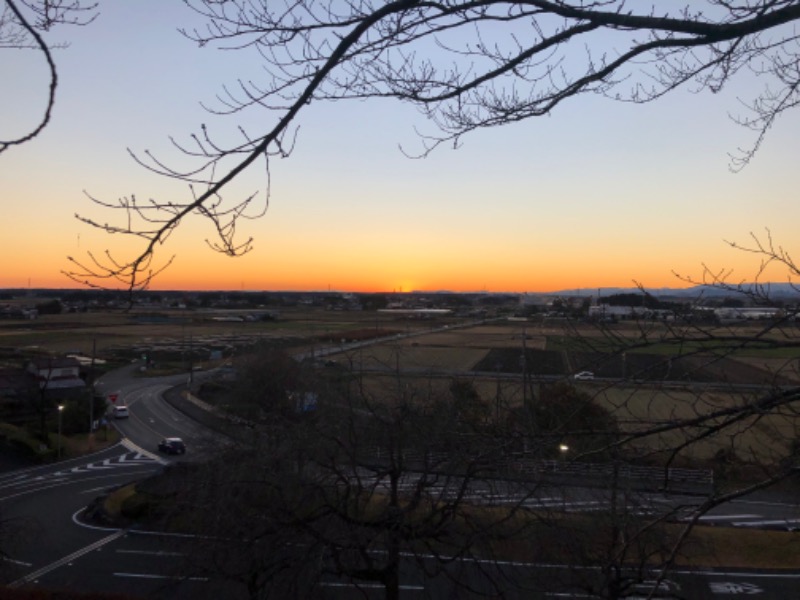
[[599, 194]]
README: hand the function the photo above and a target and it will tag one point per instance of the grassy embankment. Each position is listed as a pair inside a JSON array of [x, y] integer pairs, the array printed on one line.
[[29, 447]]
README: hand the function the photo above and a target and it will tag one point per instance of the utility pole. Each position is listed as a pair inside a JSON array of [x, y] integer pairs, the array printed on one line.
[[91, 395], [60, 412], [524, 365], [191, 367], [527, 394]]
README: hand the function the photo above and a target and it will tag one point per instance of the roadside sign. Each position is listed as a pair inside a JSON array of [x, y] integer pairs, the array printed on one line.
[[113, 398]]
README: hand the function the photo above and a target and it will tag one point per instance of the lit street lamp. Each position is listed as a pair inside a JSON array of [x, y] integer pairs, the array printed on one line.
[[563, 449], [60, 412]]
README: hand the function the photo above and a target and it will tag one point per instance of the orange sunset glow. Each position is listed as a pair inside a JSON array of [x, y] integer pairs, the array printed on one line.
[[599, 194]]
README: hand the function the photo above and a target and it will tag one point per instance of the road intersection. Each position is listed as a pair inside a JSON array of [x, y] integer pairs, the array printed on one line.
[[55, 548]]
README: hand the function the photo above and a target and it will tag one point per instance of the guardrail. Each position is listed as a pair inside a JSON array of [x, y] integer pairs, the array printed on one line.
[[608, 474], [667, 479]]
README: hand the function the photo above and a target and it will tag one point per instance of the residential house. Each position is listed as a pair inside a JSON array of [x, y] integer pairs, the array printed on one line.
[[57, 373]]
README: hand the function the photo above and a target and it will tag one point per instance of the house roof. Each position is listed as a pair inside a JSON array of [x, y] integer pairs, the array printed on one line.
[[65, 383], [57, 362]]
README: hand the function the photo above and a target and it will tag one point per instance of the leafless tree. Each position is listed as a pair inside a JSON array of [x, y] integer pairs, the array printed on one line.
[[422, 486], [23, 26], [465, 65], [426, 478], [756, 288], [356, 492]]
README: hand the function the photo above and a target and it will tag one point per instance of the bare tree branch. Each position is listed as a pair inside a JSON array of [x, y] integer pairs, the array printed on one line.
[[465, 65], [21, 25]]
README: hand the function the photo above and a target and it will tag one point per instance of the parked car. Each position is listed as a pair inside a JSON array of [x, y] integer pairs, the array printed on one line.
[[172, 445], [121, 412], [583, 376]]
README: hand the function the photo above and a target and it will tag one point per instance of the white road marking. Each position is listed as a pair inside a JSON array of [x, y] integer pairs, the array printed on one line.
[[67, 559], [154, 576], [93, 467], [16, 562], [377, 586], [134, 448], [732, 587], [95, 490], [151, 552], [763, 523], [722, 517]]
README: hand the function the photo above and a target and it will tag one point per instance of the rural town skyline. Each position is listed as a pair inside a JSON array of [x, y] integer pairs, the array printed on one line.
[[598, 194]]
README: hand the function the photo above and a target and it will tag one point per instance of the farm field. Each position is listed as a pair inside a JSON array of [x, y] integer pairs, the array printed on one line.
[[489, 356], [430, 353], [758, 439], [118, 332], [433, 337]]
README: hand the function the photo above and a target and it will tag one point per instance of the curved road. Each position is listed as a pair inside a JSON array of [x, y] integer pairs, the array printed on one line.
[[50, 549], [42, 541], [151, 418]]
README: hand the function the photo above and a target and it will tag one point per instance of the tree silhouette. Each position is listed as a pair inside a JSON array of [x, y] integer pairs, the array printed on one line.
[[22, 23]]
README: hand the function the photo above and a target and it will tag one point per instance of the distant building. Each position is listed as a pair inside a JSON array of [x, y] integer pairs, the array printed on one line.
[[56, 373], [606, 311], [16, 312], [748, 313]]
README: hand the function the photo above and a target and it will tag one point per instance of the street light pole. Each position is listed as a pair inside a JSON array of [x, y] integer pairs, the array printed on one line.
[[60, 411], [563, 449]]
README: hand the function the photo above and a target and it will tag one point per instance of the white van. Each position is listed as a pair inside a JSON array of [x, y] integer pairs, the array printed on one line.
[[120, 412]]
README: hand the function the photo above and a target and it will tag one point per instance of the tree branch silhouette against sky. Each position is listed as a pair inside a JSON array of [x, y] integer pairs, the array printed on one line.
[[326, 84]]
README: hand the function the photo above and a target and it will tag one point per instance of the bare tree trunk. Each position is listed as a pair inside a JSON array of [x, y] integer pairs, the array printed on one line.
[[392, 571]]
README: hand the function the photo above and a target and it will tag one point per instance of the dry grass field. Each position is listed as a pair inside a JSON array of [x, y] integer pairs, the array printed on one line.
[[110, 332], [430, 361], [429, 352], [455, 349], [757, 439]]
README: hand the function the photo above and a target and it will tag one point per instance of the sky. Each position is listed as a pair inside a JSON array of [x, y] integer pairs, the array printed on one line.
[[598, 194]]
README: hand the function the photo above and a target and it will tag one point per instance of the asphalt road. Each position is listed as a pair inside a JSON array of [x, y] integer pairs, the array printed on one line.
[[51, 549], [38, 505], [141, 565], [549, 582]]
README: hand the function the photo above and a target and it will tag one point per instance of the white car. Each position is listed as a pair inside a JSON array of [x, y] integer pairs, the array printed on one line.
[[583, 376], [121, 412]]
